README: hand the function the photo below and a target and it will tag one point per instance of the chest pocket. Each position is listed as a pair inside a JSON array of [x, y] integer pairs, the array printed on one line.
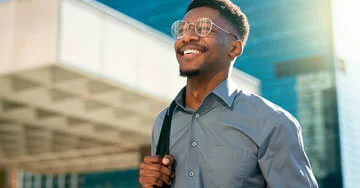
[[226, 167]]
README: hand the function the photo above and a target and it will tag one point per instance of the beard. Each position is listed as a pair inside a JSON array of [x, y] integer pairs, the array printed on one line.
[[190, 73]]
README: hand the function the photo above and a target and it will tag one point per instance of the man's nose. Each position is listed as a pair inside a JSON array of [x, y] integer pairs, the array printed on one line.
[[191, 35]]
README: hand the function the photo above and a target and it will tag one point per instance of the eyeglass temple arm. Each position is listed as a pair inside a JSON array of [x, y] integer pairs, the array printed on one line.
[[225, 31]]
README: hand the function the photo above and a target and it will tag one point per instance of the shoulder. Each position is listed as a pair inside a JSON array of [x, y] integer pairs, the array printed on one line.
[[161, 114], [257, 104], [266, 112], [273, 122], [160, 118]]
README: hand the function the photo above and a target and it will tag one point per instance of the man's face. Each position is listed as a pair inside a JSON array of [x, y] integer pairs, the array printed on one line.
[[204, 55]]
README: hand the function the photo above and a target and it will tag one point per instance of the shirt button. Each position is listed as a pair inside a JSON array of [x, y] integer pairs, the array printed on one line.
[[194, 144], [191, 174], [197, 115]]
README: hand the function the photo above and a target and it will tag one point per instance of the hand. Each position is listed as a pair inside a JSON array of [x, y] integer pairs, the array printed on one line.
[[155, 170]]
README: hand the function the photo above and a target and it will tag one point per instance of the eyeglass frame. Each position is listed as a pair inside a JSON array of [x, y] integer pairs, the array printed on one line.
[[212, 23]]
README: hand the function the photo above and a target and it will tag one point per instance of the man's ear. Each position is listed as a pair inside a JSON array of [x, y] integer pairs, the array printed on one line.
[[236, 50]]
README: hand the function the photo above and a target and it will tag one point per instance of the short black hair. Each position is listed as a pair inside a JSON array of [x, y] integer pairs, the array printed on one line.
[[229, 11]]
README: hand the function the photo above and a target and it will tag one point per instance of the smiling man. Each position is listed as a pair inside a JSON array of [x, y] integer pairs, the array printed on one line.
[[221, 136]]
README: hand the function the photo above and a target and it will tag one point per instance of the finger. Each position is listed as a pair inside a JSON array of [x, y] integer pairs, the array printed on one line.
[[157, 167], [153, 159], [168, 160], [150, 181], [144, 184], [156, 174]]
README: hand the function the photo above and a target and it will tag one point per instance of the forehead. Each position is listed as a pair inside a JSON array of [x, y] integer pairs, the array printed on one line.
[[203, 12]]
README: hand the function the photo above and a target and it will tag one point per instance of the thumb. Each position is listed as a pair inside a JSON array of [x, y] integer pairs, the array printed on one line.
[[168, 160]]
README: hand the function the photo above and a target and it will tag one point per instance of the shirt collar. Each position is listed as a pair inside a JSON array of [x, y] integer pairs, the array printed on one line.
[[226, 91], [180, 98]]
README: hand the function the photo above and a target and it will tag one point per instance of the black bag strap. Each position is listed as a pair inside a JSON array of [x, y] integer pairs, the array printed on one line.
[[162, 148]]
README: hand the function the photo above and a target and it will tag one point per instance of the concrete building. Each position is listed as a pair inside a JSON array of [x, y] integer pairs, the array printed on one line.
[[80, 86]]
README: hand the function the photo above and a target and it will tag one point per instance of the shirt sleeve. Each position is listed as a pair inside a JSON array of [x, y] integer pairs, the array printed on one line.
[[282, 159]]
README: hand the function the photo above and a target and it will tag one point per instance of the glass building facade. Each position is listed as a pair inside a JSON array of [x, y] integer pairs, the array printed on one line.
[[111, 179], [128, 179], [290, 49]]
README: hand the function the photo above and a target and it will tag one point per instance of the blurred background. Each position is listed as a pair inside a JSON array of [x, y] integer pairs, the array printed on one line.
[[82, 81]]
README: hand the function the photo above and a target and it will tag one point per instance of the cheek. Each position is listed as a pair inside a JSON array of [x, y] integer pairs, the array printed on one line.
[[224, 48], [219, 50], [220, 44], [176, 44]]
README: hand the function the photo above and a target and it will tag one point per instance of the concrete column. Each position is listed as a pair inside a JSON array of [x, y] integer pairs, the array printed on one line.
[[49, 181], [37, 180], [74, 181], [28, 180], [61, 181], [20, 178]]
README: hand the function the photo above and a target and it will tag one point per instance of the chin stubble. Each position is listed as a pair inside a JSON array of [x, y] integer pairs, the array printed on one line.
[[190, 73]]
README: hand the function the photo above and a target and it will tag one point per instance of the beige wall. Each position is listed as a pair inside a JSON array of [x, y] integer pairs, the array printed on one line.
[[28, 33], [110, 44], [93, 38]]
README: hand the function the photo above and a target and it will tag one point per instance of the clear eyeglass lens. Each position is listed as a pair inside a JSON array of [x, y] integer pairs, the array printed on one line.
[[179, 29], [183, 29], [203, 27]]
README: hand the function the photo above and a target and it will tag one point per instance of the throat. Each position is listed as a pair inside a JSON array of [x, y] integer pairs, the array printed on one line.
[[193, 99]]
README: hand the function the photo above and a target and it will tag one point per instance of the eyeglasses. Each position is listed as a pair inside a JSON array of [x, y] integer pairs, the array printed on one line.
[[203, 27]]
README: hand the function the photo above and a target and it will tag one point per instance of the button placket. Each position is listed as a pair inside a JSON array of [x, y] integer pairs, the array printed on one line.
[[192, 165]]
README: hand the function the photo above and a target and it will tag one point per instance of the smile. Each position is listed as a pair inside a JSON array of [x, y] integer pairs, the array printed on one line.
[[192, 51]]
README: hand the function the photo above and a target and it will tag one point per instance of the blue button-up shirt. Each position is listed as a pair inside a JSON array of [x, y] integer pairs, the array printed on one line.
[[235, 139]]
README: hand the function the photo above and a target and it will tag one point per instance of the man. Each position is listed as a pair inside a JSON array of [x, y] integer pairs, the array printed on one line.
[[221, 136]]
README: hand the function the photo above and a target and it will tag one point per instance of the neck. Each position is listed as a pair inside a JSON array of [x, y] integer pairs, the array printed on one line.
[[199, 86]]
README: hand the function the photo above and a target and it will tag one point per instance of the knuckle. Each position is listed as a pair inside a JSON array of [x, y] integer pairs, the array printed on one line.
[[157, 158], [166, 171], [146, 158], [162, 176]]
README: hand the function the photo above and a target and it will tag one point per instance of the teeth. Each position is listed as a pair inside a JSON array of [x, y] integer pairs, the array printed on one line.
[[192, 51]]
